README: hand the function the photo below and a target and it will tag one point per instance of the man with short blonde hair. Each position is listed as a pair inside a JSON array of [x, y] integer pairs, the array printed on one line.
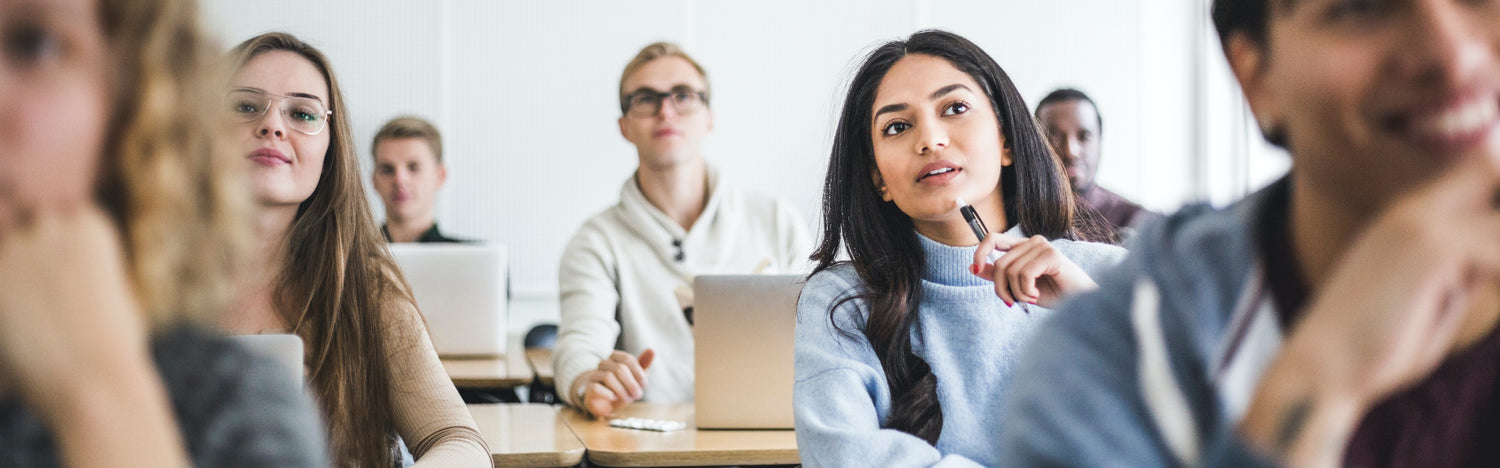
[[625, 278]]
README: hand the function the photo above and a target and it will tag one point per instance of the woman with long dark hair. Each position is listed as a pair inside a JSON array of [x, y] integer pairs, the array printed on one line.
[[904, 350]]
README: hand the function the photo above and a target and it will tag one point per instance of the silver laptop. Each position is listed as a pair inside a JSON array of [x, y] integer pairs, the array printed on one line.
[[460, 289], [285, 349], [743, 328]]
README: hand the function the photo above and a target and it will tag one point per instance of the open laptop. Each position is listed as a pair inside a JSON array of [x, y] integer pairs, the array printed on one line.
[[285, 349], [460, 289], [743, 329]]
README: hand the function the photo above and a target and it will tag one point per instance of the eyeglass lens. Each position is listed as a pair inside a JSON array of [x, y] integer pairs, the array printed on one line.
[[648, 103], [302, 114]]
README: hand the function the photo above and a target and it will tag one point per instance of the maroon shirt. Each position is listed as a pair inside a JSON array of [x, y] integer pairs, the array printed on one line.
[[1119, 211], [1451, 418]]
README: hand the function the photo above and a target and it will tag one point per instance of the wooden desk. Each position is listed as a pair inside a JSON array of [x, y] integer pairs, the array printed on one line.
[[611, 446], [527, 435], [510, 370], [541, 364]]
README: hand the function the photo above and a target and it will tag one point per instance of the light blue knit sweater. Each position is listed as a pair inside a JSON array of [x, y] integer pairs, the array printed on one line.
[[963, 331]]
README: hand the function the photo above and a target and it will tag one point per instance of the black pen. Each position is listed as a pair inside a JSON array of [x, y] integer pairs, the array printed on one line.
[[980, 231], [976, 224], [972, 217]]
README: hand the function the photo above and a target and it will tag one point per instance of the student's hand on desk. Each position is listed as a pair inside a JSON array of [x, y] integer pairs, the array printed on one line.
[[1391, 310], [617, 382], [1032, 270], [68, 317]]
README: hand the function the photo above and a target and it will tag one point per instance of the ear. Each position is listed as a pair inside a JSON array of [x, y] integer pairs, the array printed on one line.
[[879, 184], [1005, 160], [1248, 61], [442, 174]]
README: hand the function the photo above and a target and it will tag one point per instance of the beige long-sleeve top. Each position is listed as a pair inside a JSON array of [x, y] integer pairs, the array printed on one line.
[[620, 274], [429, 414]]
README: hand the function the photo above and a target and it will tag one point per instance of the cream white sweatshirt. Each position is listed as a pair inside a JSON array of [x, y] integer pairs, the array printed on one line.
[[620, 275]]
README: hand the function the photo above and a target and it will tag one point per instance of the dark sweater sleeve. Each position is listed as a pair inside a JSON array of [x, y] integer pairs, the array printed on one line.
[[1077, 397], [236, 408]]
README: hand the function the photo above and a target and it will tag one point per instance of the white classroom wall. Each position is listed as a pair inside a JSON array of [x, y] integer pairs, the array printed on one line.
[[525, 93]]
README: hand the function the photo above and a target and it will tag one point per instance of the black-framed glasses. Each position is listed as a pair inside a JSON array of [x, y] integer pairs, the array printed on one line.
[[301, 113], [647, 103]]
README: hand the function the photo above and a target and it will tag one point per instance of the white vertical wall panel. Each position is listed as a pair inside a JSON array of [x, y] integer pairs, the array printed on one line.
[[1091, 45], [536, 144], [780, 69]]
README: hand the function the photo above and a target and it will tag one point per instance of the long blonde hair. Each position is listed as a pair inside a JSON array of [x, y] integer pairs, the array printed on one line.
[[176, 195], [337, 283]]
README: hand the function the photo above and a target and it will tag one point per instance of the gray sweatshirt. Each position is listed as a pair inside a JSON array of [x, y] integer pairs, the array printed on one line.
[[1156, 367], [841, 397], [234, 409]]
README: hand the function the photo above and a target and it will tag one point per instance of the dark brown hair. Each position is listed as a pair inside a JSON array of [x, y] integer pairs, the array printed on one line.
[[882, 242], [337, 284], [1249, 18]]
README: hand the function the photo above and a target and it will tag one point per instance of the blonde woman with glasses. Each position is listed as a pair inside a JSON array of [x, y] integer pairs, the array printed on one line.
[[323, 272], [120, 227]]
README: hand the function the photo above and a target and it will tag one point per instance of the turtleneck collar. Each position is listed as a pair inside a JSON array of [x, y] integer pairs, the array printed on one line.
[[947, 274]]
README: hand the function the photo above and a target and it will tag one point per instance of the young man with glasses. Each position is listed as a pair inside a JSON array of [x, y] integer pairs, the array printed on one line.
[[626, 277]]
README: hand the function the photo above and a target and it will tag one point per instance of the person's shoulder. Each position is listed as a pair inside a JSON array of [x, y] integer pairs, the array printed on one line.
[[184, 352], [1201, 254], [1090, 256], [836, 287], [203, 369], [608, 219], [749, 202], [236, 407], [600, 228], [838, 278], [1198, 239]]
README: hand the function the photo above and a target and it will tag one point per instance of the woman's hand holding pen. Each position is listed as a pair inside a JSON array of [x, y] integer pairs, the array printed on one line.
[[1030, 271]]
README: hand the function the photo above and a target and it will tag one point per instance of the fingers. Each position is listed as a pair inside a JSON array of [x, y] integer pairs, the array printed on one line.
[[991, 243], [1446, 325], [1011, 270], [15, 217], [599, 400], [612, 381], [645, 360], [1024, 271], [1486, 255], [631, 368], [993, 273], [620, 379], [1470, 184]]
